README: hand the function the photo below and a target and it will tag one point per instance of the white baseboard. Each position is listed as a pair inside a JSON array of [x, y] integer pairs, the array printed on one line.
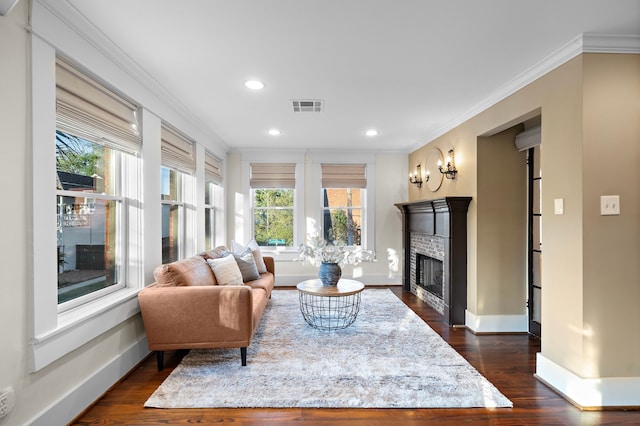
[[599, 392], [67, 407], [496, 323], [369, 280]]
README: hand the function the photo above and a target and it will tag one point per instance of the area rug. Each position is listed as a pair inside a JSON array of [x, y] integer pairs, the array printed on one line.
[[388, 358]]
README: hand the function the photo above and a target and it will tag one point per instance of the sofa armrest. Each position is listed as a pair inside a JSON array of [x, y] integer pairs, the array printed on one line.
[[270, 264], [197, 317]]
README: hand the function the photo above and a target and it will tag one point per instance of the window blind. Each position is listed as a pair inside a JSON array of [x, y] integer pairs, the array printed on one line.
[[273, 175], [212, 168], [344, 175], [177, 151], [89, 110]]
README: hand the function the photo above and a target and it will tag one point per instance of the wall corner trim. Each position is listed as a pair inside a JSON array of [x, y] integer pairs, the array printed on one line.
[[588, 393], [496, 323]]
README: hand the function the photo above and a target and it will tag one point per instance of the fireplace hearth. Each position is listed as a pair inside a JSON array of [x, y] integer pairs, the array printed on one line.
[[435, 254]]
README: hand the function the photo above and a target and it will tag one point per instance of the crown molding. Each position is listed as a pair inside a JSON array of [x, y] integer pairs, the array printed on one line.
[[584, 43], [610, 43]]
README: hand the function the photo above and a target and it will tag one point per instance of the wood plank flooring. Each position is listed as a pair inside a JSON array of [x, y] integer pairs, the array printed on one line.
[[508, 361]]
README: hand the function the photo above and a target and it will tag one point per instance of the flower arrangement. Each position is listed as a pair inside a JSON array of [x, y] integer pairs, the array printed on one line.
[[318, 251]]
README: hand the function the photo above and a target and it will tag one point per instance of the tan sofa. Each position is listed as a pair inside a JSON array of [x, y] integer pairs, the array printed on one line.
[[186, 308]]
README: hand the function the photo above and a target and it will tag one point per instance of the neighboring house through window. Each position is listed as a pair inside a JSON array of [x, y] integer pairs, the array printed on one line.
[[96, 137], [178, 165], [343, 191]]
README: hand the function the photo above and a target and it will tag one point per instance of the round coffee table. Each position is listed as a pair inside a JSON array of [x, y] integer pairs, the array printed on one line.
[[330, 307]]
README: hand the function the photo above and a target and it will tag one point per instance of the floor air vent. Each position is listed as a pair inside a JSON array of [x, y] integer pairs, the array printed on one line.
[[307, 105]]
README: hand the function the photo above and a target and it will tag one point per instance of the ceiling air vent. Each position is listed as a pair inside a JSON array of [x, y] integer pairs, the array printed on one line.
[[307, 105]]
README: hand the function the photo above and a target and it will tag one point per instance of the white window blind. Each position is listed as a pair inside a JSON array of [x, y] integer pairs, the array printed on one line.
[[177, 150], [89, 110], [273, 175], [344, 175], [212, 168]]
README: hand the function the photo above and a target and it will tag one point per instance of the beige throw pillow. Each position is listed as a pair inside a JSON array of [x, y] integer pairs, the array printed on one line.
[[255, 251], [226, 270]]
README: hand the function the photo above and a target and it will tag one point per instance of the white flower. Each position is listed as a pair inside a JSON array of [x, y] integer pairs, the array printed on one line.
[[318, 251]]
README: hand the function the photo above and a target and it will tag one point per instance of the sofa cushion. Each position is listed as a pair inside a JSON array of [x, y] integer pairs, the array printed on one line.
[[226, 270], [255, 250], [247, 265], [193, 271]]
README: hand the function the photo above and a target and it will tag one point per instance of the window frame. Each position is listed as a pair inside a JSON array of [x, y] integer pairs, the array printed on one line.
[[55, 334], [361, 207], [368, 197], [292, 208], [213, 191], [182, 209]]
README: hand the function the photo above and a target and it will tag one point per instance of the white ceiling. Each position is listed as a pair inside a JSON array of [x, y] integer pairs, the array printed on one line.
[[409, 68]]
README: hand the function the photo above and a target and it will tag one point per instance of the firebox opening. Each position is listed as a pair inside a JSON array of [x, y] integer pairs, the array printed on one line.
[[430, 274]]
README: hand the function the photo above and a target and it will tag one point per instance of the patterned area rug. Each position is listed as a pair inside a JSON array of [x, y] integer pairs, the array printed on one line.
[[388, 358]]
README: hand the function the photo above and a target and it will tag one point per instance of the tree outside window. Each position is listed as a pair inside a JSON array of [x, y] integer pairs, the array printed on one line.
[[273, 216], [342, 215]]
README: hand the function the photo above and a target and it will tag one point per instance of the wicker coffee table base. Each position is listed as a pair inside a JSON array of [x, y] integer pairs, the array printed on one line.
[[329, 312]]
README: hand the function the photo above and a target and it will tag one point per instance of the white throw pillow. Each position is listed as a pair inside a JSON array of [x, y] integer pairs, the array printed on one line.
[[255, 251], [226, 270]]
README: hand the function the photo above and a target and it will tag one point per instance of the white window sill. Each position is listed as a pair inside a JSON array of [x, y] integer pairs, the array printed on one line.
[[80, 325]]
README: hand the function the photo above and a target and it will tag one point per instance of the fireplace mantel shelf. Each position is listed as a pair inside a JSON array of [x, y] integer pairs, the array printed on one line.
[[443, 220]]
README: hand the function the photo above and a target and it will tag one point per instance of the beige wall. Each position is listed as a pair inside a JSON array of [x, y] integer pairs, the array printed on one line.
[[590, 109], [502, 224], [611, 159]]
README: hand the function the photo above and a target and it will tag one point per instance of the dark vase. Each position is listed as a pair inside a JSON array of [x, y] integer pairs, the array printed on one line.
[[329, 273]]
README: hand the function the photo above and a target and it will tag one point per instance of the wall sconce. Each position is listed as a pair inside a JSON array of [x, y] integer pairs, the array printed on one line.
[[449, 170], [416, 178]]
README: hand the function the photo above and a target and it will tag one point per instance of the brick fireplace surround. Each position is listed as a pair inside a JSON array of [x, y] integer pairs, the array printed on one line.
[[438, 228]]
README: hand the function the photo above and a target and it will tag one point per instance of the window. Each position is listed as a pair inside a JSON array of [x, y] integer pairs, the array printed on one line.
[[96, 136], [213, 199], [89, 210], [273, 194], [178, 162], [343, 191]]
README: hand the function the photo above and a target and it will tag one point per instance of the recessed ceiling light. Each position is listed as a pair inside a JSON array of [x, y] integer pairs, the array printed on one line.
[[254, 84], [274, 132], [371, 132]]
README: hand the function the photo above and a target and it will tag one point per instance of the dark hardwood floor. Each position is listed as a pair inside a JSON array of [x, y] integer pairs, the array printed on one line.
[[508, 361]]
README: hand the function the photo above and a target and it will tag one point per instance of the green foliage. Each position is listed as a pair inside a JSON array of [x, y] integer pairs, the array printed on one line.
[[273, 217], [343, 229], [75, 155]]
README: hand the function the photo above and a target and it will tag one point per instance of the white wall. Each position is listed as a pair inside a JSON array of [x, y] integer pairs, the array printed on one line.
[[386, 184], [59, 391], [14, 222]]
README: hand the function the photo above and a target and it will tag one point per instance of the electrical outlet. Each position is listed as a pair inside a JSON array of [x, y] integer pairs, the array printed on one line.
[[7, 401]]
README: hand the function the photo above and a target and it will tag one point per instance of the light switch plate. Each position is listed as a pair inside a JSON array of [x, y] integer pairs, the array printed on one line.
[[558, 206], [609, 205]]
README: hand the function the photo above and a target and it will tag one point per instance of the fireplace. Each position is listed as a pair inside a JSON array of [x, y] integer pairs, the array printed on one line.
[[430, 274], [435, 254]]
